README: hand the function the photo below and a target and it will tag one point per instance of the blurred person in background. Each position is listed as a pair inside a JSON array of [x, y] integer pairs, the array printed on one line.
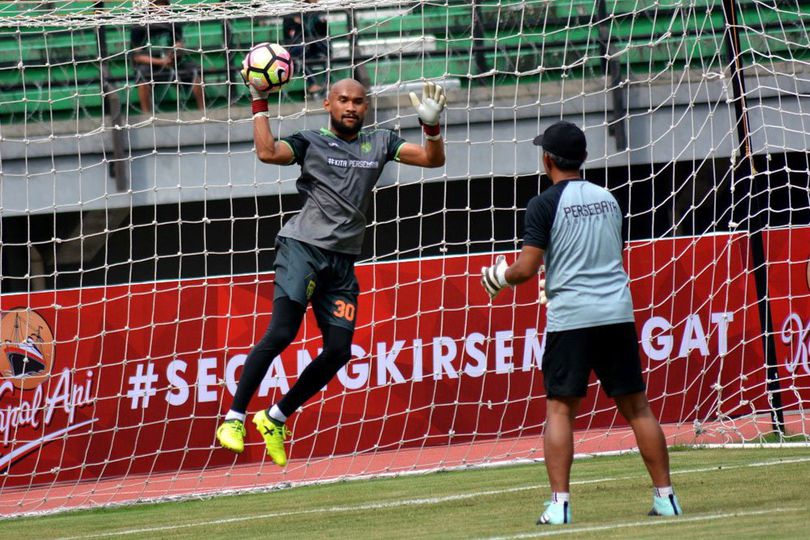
[[156, 51], [305, 37]]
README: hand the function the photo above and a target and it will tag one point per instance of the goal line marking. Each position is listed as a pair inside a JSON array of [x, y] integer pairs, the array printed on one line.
[[412, 502]]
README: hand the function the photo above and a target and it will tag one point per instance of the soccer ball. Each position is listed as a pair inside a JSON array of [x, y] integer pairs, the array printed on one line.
[[267, 67]]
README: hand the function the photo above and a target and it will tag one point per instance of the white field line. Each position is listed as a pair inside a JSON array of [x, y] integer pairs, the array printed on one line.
[[414, 502], [649, 523]]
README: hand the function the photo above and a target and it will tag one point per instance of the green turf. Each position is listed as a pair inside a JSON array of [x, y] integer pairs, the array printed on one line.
[[725, 493]]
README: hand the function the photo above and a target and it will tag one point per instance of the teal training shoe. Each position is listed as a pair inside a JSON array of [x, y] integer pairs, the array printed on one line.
[[666, 506], [555, 514]]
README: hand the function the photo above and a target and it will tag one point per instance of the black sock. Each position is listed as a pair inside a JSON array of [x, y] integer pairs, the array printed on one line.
[[284, 324], [336, 353]]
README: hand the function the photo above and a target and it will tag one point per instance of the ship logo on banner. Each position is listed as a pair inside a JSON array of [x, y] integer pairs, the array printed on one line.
[[27, 348]]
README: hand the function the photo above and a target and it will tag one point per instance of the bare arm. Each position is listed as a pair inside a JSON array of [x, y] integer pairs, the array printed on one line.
[[155, 61], [526, 266], [430, 155], [268, 150]]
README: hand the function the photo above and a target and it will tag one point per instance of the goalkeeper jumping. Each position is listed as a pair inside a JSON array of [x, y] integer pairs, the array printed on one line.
[[317, 248], [576, 228]]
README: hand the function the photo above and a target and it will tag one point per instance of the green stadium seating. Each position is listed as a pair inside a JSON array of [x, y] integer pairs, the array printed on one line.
[[57, 71]]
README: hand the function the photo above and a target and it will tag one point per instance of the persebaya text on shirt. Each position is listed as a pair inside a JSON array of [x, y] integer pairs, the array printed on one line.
[[592, 209], [359, 163]]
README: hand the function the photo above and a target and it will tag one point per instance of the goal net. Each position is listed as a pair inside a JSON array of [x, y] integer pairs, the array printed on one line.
[[138, 229]]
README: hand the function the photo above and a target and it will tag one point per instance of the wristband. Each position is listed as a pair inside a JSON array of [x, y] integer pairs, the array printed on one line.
[[259, 106], [432, 133]]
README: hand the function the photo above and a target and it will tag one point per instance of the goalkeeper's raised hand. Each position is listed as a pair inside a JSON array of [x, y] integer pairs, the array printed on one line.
[[493, 278], [255, 94], [430, 108]]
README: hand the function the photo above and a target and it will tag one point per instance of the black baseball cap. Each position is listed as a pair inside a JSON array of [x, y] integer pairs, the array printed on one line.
[[563, 139]]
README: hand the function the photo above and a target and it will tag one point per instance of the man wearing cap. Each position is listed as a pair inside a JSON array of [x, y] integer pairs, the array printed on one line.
[[576, 228]]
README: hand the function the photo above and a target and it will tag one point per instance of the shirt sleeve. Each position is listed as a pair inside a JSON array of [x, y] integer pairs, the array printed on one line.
[[539, 218], [395, 143], [298, 144]]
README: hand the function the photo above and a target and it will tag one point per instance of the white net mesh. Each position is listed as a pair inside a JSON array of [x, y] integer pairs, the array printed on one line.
[[138, 232]]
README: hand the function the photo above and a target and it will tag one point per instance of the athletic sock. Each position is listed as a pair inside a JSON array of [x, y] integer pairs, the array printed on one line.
[[663, 491], [276, 416], [560, 497], [233, 415]]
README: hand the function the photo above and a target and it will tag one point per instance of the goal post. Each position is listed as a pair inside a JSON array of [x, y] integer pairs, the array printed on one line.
[[137, 234]]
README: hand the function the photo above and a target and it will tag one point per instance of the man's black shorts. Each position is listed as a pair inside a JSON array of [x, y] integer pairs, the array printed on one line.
[[306, 273], [611, 351]]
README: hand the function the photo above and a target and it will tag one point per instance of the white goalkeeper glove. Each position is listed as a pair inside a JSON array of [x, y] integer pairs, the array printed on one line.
[[255, 95], [543, 297], [432, 104], [493, 278]]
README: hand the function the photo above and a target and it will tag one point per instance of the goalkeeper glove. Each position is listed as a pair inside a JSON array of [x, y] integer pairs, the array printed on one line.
[[543, 297], [493, 278], [258, 98], [256, 95], [430, 108]]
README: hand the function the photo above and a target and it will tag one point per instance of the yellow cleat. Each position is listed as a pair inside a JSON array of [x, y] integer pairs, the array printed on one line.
[[231, 435], [274, 437]]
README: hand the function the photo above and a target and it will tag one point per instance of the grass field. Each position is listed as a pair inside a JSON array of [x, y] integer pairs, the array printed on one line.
[[726, 493]]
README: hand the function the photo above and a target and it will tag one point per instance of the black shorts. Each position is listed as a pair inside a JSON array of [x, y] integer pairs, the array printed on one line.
[[306, 273], [611, 351]]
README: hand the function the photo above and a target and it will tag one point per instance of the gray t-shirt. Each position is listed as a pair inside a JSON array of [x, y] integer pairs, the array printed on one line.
[[336, 180], [579, 225]]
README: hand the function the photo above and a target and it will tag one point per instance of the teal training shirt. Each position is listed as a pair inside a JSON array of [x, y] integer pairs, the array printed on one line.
[[579, 226], [336, 180]]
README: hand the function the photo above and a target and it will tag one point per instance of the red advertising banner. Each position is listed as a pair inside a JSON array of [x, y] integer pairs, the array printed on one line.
[[134, 379], [788, 255], [695, 302]]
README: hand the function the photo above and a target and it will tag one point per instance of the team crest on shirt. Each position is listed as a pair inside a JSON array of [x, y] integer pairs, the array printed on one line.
[[310, 288], [365, 147]]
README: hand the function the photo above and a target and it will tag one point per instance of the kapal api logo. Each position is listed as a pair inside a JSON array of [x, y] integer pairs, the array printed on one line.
[[26, 349], [32, 413], [795, 335]]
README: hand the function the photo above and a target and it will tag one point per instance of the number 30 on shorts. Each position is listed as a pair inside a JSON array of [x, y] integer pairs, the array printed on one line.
[[344, 310]]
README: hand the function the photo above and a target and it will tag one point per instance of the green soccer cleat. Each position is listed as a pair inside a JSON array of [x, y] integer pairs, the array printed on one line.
[[666, 506], [231, 435], [555, 514], [274, 437]]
